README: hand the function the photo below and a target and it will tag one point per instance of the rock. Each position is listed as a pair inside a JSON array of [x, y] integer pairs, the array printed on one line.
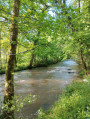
[[85, 80], [69, 69], [70, 72]]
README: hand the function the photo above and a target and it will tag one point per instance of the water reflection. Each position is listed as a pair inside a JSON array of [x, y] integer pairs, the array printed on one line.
[[46, 82]]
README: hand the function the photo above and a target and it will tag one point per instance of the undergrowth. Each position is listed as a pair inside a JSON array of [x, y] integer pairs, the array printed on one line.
[[73, 104]]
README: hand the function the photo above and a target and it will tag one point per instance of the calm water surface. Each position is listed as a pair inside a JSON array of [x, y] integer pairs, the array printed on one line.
[[46, 82]]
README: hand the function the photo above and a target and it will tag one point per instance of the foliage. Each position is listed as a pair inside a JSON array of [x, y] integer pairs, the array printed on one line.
[[18, 103], [59, 30], [48, 31]]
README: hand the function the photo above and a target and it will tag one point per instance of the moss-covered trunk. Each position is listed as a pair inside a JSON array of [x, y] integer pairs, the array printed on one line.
[[0, 51], [9, 83]]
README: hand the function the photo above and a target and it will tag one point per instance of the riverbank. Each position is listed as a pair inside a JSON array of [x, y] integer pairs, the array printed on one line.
[[24, 66], [73, 104]]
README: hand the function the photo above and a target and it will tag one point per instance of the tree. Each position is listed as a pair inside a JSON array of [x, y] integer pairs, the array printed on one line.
[[0, 51], [9, 81]]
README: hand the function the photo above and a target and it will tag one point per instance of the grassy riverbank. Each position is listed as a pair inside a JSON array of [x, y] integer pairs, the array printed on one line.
[[25, 65], [73, 104]]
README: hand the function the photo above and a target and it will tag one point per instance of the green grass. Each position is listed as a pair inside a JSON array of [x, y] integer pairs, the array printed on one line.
[[73, 104]]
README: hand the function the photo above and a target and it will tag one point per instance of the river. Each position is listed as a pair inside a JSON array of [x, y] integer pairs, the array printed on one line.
[[45, 82]]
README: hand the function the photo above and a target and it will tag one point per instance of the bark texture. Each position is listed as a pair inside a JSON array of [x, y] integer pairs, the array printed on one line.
[[9, 82], [0, 51]]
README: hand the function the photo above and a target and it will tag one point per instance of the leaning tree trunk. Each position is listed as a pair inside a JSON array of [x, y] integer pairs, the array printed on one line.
[[9, 83]]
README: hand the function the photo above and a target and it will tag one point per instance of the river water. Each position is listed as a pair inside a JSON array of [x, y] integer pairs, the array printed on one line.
[[45, 82]]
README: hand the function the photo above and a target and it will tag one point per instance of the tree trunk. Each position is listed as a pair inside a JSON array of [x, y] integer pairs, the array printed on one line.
[[79, 5], [64, 1], [31, 61], [82, 60], [9, 82], [32, 56], [35, 42], [15, 61], [0, 52]]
